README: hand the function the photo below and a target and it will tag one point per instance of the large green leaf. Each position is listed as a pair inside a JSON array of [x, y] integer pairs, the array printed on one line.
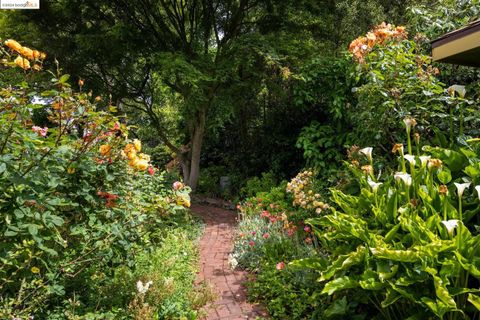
[[339, 284], [344, 262], [396, 255], [475, 300]]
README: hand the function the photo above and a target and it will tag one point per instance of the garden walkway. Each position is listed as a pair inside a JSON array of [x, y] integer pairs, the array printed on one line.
[[215, 245]]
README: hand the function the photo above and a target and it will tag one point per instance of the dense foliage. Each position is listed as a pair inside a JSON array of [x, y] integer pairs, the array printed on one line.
[[83, 211], [374, 224]]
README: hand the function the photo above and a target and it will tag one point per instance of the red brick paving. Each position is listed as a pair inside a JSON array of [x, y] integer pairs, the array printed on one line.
[[215, 246]]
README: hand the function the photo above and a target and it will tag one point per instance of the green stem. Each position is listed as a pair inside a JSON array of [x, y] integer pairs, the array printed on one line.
[[461, 121], [451, 126], [409, 142], [444, 208], [460, 215]]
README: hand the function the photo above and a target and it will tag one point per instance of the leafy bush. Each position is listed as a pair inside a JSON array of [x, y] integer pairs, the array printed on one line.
[[408, 243], [78, 198], [256, 185]]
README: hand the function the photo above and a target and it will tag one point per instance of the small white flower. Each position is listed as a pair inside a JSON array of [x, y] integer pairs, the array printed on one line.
[[461, 188], [405, 177], [478, 190], [457, 88], [450, 225], [232, 261], [409, 123], [424, 160], [143, 288], [367, 152], [374, 185], [410, 158]]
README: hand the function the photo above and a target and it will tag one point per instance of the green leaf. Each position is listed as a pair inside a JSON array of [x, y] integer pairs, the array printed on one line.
[[344, 262], [10, 233], [444, 175], [339, 284], [56, 220], [396, 255], [475, 300], [64, 78], [337, 308], [33, 229]]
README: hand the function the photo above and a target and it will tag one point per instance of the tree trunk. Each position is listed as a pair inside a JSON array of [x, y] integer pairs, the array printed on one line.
[[197, 141]]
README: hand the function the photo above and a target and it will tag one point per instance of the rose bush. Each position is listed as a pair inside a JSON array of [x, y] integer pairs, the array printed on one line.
[[78, 197]]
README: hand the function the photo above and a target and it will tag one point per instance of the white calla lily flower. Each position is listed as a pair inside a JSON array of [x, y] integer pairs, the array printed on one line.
[[374, 185], [461, 188], [405, 177], [457, 88], [478, 191], [367, 152], [450, 225], [424, 160], [410, 158]]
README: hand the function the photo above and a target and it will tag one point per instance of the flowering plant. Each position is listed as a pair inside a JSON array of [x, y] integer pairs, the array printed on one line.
[[409, 242], [72, 205]]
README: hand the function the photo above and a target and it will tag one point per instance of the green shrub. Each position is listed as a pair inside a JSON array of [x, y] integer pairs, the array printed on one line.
[[409, 243], [76, 202], [256, 185]]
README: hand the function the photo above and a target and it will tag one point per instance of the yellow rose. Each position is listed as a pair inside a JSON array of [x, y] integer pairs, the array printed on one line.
[[141, 164], [133, 162], [184, 200], [22, 63], [105, 149], [137, 144], [144, 156]]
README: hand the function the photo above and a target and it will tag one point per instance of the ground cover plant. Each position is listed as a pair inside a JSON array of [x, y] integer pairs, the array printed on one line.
[[83, 210]]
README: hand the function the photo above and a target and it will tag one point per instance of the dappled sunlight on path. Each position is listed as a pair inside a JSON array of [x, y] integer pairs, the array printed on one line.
[[215, 246]]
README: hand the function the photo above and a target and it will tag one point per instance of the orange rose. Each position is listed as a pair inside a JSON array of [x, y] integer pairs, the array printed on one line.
[[14, 45], [105, 149]]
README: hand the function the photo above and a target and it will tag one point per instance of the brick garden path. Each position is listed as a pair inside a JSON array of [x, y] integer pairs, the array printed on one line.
[[215, 245]]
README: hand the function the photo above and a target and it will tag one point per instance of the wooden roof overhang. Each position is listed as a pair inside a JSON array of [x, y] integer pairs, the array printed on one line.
[[461, 46]]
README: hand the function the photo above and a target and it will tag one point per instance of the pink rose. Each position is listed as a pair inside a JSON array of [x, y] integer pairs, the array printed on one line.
[[177, 185], [266, 236], [40, 131], [280, 265]]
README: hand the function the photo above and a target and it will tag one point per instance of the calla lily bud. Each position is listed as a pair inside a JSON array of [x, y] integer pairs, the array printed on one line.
[[409, 123]]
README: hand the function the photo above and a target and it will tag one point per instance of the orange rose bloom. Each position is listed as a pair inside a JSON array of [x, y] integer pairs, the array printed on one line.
[[14, 45], [27, 53], [105, 149]]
